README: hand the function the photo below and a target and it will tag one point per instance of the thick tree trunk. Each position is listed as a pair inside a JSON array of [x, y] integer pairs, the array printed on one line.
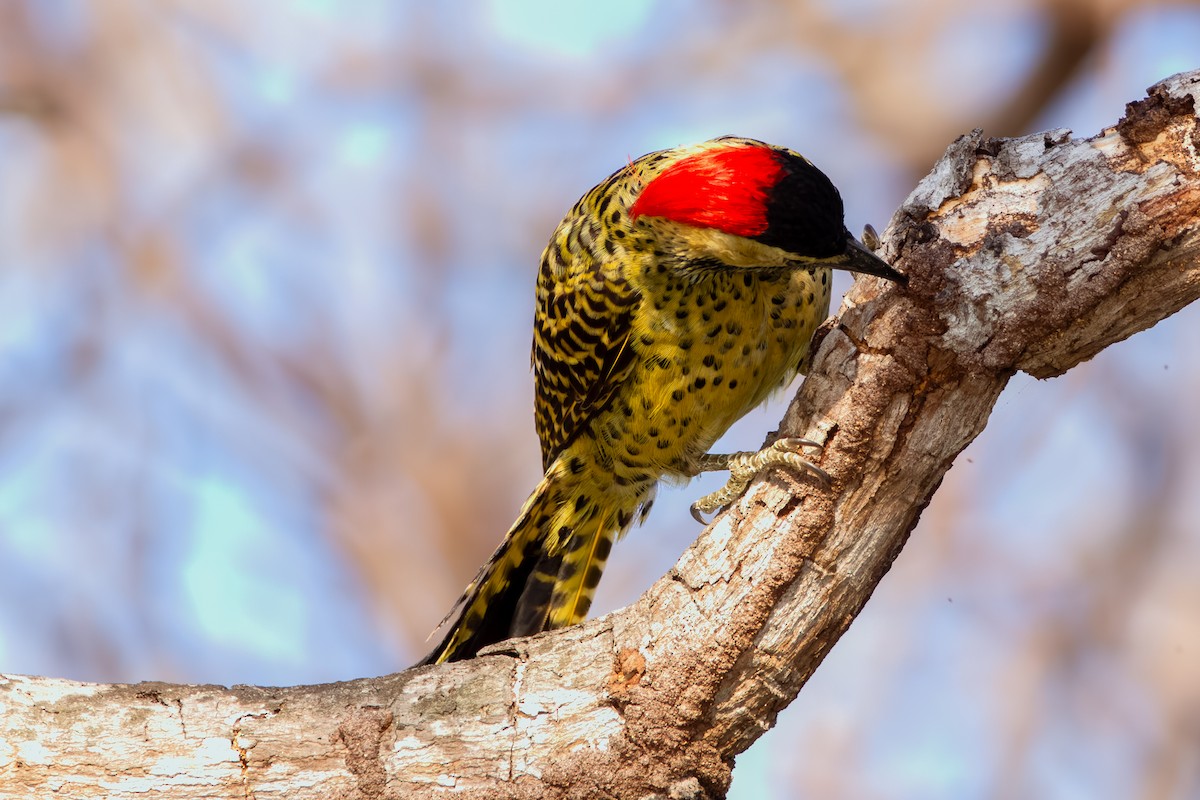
[[1028, 254]]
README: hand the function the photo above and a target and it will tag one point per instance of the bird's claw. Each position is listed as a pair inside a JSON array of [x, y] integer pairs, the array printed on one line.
[[743, 467]]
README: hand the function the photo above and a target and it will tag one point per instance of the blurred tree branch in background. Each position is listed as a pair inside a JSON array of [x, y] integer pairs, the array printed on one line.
[[1030, 255]]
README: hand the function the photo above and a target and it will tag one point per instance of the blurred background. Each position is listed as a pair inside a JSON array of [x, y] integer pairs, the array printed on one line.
[[266, 283]]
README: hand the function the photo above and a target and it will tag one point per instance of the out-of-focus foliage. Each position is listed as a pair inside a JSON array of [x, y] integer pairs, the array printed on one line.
[[265, 288]]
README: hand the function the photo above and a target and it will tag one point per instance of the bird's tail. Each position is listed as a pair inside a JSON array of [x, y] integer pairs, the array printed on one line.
[[544, 574]]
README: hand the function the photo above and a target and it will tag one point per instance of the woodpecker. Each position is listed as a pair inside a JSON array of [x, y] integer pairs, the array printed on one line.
[[674, 297]]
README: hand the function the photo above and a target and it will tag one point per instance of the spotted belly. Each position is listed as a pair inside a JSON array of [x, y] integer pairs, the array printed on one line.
[[720, 348]]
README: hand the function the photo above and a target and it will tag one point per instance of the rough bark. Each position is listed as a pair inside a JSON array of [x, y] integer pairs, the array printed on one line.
[[1028, 254]]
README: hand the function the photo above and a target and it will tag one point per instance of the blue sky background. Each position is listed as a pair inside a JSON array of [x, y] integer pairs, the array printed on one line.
[[265, 294]]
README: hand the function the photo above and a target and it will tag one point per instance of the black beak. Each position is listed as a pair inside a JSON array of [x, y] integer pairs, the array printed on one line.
[[857, 258]]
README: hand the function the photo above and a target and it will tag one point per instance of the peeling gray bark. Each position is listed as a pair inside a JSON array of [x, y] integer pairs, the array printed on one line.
[[1028, 254]]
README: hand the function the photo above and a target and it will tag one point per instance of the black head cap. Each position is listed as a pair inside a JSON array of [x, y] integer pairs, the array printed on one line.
[[804, 211]]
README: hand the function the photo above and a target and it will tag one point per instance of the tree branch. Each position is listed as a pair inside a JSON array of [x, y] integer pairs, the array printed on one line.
[[1028, 254]]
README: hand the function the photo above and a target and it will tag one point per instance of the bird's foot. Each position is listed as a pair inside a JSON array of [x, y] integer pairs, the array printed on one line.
[[745, 465]]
